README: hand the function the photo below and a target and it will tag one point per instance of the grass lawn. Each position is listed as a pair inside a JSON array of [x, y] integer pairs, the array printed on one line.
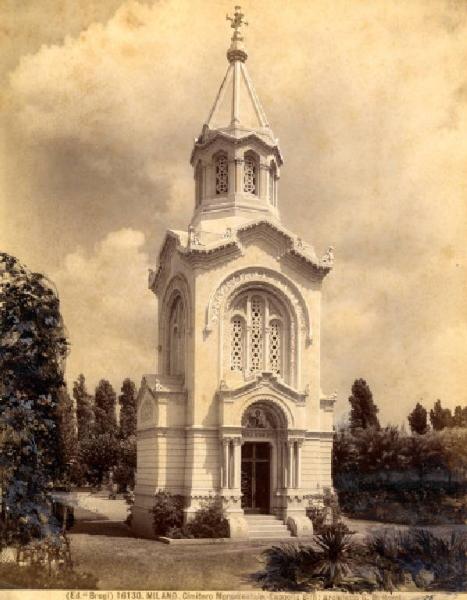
[[132, 563], [104, 546]]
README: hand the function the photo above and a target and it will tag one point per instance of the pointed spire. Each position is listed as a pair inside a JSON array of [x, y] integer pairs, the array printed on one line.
[[237, 111]]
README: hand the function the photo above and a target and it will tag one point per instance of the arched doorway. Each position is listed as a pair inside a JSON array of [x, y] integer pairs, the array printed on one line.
[[263, 429]]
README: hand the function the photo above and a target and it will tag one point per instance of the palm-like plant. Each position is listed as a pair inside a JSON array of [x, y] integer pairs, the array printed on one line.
[[288, 567], [335, 560]]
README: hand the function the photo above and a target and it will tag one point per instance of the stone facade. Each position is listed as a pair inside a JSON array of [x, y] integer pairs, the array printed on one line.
[[235, 410]]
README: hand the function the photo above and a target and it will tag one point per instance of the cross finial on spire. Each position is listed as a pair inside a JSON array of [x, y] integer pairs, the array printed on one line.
[[237, 22]]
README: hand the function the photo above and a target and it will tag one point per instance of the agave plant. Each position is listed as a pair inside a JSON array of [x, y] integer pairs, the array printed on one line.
[[288, 567], [334, 564]]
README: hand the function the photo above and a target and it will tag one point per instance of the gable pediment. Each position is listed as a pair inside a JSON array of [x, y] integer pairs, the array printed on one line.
[[264, 383]]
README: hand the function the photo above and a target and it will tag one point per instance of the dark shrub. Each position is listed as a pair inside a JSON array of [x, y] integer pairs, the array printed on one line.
[[208, 522], [288, 567], [419, 550], [318, 515], [124, 477], [167, 512]]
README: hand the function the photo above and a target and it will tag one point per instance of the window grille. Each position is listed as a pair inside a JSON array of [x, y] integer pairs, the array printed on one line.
[[236, 362], [261, 336], [222, 175], [257, 316], [275, 347], [250, 176]]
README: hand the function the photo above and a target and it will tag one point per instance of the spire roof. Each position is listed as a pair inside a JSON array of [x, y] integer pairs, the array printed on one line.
[[237, 111]]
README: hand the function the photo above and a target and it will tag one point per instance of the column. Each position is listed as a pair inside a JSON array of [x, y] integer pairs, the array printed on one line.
[[298, 478], [209, 181], [237, 447], [274, 450], [263, 182], [238, 175], [225, 462], [290, 479], [285, 470], [231, 464]]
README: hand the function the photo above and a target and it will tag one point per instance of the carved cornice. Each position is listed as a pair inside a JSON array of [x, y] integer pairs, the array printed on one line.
[[199, 254], [263, 380], [209, 136]]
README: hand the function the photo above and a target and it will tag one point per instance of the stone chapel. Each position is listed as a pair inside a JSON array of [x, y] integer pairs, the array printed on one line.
[[235, 411]]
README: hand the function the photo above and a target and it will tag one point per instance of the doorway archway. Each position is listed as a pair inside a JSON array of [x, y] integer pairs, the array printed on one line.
[[264, 434]]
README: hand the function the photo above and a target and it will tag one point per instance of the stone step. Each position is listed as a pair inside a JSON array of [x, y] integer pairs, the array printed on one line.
[[267, 527]]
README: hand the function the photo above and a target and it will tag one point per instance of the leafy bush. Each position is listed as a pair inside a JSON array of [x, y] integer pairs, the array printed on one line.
[[441, 559], [167, 512], [208, 522], [318, 516], [406, 503]]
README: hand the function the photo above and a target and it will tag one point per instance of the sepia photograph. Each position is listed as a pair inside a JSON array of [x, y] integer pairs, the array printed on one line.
[[233, 299]]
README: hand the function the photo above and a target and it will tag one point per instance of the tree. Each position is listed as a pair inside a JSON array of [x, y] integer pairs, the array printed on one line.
[[418, 420], [104, 409], [67, 432], [84, 408], [460, 416], [124, 473], [127, 401], [440, 417], [99, 453], [33, 349], [364, 412]]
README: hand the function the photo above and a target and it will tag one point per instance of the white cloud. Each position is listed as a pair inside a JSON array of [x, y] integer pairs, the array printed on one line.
[[108, 309]]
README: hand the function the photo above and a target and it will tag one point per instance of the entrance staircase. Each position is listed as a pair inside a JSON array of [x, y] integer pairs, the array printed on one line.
[[266, 527]]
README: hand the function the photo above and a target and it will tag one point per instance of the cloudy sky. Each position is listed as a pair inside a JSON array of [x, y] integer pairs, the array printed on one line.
[[100, 102]]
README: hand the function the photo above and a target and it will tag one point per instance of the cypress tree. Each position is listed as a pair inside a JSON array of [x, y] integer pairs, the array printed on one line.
[[364, 412]]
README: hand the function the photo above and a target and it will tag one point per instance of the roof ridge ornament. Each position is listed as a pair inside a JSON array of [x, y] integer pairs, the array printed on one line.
[[237, 50], [237, 22]]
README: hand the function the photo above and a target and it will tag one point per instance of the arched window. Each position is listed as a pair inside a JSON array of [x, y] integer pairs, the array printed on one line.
[[260, 334], [222, 174], [199, 183], [250, 174], [176, 341], [272, 184]]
